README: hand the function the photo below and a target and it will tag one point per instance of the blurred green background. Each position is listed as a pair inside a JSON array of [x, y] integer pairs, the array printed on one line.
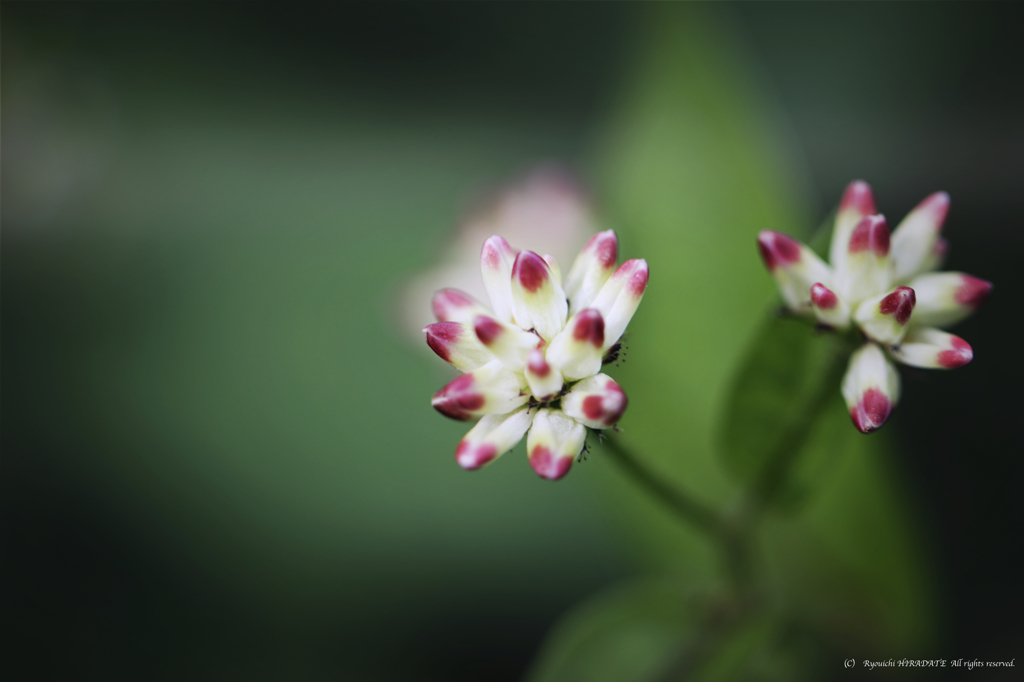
[[219, 459]]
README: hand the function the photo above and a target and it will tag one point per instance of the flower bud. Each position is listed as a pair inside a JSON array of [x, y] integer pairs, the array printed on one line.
[[492, 389], [492, 436], [871, 388], [555, 440], [597, 402]]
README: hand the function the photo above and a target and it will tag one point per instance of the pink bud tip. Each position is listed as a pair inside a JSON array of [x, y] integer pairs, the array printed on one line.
[[441, 336], [589, 327], [822, 297], [972, 291], [531, 270], [493, 250], [958, 356], [637, 283], [457, 399], [777, 249], [474, 456], [605, 247], [487, 329], [547, 465], [537, 364], [448, 300], [899, 303], [938, 206], [872, 411], [871, 233], [858, 197], [607, 408]]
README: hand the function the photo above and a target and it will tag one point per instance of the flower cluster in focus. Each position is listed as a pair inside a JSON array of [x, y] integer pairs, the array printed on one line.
[[885, 286], [532, 362]]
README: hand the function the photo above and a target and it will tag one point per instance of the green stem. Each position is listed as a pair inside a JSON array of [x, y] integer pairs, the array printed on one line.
[[687, 508]]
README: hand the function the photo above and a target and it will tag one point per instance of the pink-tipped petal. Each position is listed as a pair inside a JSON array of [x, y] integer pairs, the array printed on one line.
[[597, 402], [507, 342], [934, 349], [496, 259], [945, 298], [867, 266], [545, 381], [884, 318], [452, 305], [794, 266], [492, 436], [492, 389], [619, 298], [914, 239], [870, 388], [578, 349], [857, 203], [858, 199], [538, 301], [591, 269], [937, 256], [457, 344], [829, 308], [555, 440], [556, 271]]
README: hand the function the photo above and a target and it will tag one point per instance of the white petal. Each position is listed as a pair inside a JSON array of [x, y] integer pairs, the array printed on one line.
[[556, 271], [496, 259], [578, 350], [913, 240], [937, 256], [538, 301], [591, 269], [555, 440], [457, 344], [506, 341], [858, 203], [884, 318], [492, 389], [934, 349], [830, 309], [597, 402], [794, 266], [493, 435], [452, 305], [619, 298], [871, 388], [545, 381], [867, 268], [945, 298]]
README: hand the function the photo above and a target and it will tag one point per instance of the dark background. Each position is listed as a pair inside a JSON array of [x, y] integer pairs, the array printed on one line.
[[128, 570]]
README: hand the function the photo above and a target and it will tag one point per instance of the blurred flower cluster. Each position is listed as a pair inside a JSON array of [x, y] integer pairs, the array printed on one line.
[[885, 286], [547, 208]]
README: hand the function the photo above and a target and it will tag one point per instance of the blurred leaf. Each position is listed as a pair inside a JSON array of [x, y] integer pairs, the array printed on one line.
[[655, 631], [628, 634], [779, 392], [851, 563], [762, 648]]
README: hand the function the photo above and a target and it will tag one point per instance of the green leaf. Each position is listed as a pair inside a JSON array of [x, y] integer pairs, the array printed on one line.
[[788, 376], [629, 634], [656, 631]]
